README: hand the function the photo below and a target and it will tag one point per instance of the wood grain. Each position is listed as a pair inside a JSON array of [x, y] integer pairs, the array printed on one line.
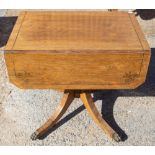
[[76, 31], [77, 50], [61, 109], [91, 108], [75, 71], [16, 29], [139, 32]]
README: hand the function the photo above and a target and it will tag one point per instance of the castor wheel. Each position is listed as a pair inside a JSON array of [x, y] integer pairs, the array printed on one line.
[[35, 135], [116, 137]]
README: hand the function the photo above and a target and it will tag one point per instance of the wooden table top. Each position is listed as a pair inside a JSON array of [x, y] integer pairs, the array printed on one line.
[[76, 31], [77, 50]]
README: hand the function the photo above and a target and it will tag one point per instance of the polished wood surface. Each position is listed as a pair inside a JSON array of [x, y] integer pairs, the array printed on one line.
[[68, 71], [76, 31], [77, 50]]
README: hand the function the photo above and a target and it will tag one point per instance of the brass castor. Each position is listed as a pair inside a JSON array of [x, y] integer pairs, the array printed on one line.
[[35, 135], [116, 137]]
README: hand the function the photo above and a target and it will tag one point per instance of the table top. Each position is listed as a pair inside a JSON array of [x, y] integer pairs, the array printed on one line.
[[77, 31], [77, 50]]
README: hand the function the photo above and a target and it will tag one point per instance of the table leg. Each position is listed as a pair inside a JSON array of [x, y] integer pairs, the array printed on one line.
[[91, 108], [67, 99], [61, 109]]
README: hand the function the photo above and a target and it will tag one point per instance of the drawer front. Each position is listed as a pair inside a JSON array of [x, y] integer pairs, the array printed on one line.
[[75, 71]]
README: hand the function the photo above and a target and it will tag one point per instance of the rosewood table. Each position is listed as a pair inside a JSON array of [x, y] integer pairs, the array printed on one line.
[[77, 52]]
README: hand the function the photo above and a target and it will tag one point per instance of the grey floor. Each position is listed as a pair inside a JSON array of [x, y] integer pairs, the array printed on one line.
[[131, 113]]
